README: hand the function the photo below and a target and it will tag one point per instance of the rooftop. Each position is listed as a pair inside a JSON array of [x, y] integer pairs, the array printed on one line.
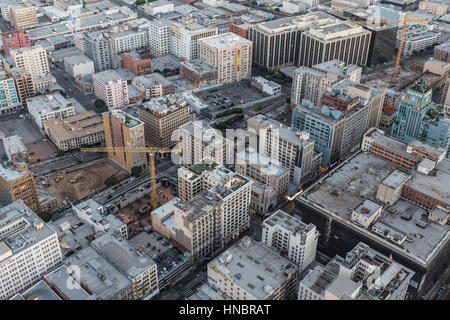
[[198, 66], [152, 80], [268, 166], [76, 126], [203, 132], [76, 60], [50, 102], [288, 222], [395, 179], [166, 208], [254, 267], [13, 145], [224, 40], [107, 76], [162, 106], [60, 278], [39, 291], [127, 119]]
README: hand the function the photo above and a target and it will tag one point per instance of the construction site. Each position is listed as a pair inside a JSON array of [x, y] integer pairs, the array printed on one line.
[[76, 183]]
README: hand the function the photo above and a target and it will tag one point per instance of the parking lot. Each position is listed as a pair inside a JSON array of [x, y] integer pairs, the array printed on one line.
[[230, 96], [165, 254]]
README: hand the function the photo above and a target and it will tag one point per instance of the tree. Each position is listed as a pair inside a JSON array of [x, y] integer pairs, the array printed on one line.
[[277, 9], [136, 170], [157, 70], [100, 104], [112, 180], [254, 3], [62, 92], [46, 216], [60, 153], [139, 2], [166, 70]]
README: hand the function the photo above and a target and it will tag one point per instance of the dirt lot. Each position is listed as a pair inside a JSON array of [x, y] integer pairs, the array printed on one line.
[[91, 180], [41, 151]]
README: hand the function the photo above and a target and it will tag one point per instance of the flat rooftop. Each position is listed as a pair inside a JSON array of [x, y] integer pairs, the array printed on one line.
[[40, 291], [107, 76], [198, 66], [127, 119], [288, 222], [165, 105], [254, 267], [76, 60], [202, 131], [60, 278], [166, 208], [268, 166], [395, 179], [224, 40], [390, 143], [50, 102], [77, 126], [152, 80]]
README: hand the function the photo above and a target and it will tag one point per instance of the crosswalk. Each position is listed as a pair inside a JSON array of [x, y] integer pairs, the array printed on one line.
[[187, 292]]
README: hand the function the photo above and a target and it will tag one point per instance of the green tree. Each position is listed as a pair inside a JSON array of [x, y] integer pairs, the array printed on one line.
[[60, 153], [136, 170], [112, 180], [277, 9], [46, 216], [166, 70], [139, 2], [254, 3], [100, 104], [157, 70]]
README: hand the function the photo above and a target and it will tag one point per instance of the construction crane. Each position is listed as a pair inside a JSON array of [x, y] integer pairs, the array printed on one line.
[[151, 151]]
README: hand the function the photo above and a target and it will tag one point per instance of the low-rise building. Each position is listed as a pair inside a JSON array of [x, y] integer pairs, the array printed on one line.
[[266, 86], [198, 72], [14, 147], [50, 106], [78, 65], [153, 85], [158, 7], [132, 61]]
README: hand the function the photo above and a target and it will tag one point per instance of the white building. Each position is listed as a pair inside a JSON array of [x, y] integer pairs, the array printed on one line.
[[78, 65], [184, 38], [129, 40], [34, 60], [267, 86], [9, 100], [159, 41], [93, 213], [216, 3], [418, 37], [14, 147], [50, 106], [29, 249], [158, 7], [291, 237]]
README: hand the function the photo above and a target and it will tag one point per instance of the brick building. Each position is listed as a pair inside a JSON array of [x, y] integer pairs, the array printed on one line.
[[133, 62], [15, 40]]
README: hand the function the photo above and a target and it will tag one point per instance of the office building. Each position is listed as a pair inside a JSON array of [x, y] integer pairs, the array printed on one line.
[[132, 61], [153, 85], [419, 118], [15, 40], [215, 216], [9, 100], [75, 131], [78, 66], [198, 72], [216, 3], [124, 130], [198, 140], [140, 269], [29, 249], [24, 83], [418, 37], [158, 7], [23, 17], [442, 52], [364, 274], [250, 270], [50, 106], [17, 183], [291, 238], [159, 42], [128, 40], [434, 7], [266, 86], [162, 116], [295, 150], [184, 38], [240, 28], [230, 54], [109, 87], [34, 60], [98, 48]]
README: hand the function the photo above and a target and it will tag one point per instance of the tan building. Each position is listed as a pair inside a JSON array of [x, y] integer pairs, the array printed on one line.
[[162, 116], [184, 38], [153, 85], [124, 130], [230, 54], [24, 83], [23, 17], [434, 7], [33, 60], [17, 183], [72, 132]]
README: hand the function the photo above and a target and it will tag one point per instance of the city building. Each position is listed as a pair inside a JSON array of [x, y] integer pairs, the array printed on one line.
[[230, 54], [50, 106], [47, 201], [153, 85], [442, 52], [23, 17], [161, 117], [109, 87], [158, 7], [15, 40], [128, 40], [98, 48], [434, 7], [364, 274], [250, 270], [75, 131], [216, 3], [9, 100], [418, 37], [267, 86], [132, 61], [34, 60], [14, 147], [139, 268], [124, 130], [215, 216], [78, 65], [419, 118], [240, 28], [159, 42], [29, 249], [24, 83], [198, 140], [295, 150], [198, 72], [291, 238], [184, 38]]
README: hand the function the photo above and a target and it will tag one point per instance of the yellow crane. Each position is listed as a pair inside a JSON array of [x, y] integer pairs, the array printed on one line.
[[151, 151]]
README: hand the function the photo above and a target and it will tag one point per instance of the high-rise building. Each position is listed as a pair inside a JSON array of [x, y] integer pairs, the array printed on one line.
[[109, 87], [34, 60], [15, 40], [9, 100], [230, 54], [364, 274], [23, 17], [29, 249], [294, 149], [24, 83], [159, 42], [17, 183], [124, 130], [250, 270], [184, 38], [419, 118], [78, 65], [98, 48], [215, 216], [133, 62], [290, 237], [162, 116], [128, 40], [199, 140]]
